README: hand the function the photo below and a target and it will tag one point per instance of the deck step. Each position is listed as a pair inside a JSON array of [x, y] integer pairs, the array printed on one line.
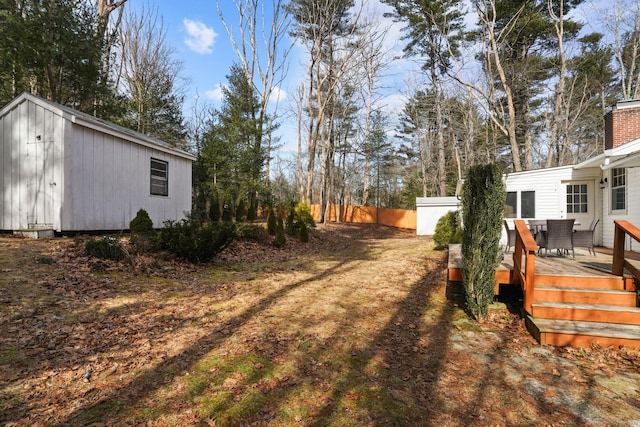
[[591, 282], [563, 333], [587, 312], [585, 296]]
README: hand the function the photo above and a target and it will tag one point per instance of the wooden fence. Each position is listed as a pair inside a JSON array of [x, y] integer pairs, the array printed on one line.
[[399, 218]]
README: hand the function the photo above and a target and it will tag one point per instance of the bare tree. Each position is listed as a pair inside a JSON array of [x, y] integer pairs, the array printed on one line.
[[326, 28], [557, 118], [504, 120], [264, 62], [622, 20], [374, 59], [105, 33], [152, 75]]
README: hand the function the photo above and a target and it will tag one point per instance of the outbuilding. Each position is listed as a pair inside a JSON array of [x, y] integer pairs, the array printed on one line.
[[67, 171]]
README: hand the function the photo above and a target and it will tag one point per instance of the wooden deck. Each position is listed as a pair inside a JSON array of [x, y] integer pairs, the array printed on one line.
[[584, 265], [577, 302]]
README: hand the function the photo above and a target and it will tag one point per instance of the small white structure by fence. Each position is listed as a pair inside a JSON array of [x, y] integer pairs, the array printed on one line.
[[430, 210]]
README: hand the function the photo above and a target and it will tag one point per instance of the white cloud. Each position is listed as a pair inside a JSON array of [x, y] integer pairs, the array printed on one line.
[[200, 38], [215, 94], [277, 95]]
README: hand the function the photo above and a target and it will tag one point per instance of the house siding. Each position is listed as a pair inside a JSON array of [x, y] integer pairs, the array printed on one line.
[[632, 212], [550, 192]]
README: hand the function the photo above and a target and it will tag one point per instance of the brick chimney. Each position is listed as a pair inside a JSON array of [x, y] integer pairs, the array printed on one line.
[[622, 123]]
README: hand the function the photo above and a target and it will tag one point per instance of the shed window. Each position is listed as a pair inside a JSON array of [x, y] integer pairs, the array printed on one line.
[[618, 189], [159, 178], [577, 198]]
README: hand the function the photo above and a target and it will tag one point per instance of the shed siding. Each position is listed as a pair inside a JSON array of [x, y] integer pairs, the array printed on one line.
[[31, 179], [115, 183], [74, 174]]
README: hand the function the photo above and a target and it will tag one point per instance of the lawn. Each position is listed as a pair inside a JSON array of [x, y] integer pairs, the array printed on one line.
[[357, 327]]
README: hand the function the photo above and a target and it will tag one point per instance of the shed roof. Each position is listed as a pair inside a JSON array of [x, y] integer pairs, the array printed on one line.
[[92, 122]]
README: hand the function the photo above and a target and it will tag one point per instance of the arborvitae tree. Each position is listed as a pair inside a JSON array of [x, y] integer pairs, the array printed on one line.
[[252, 212], [291, 222], [280, 239], [272, 223], [304, 232], [483, 199]]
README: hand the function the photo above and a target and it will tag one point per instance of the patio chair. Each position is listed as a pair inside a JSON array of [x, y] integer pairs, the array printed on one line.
[[584, 238], [559, 236], [511, 236]]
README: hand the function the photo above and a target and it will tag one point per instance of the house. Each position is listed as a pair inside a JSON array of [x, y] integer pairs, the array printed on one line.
[[67, 171], [606, 186]]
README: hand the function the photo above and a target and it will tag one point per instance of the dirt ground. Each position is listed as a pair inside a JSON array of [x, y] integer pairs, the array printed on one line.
[[358, 327]]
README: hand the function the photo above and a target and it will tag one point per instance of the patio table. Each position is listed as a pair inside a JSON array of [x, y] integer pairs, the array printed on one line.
[[556, 234], [538, 228]]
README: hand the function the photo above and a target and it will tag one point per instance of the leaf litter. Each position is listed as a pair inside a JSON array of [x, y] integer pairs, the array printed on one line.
[[356, 327]]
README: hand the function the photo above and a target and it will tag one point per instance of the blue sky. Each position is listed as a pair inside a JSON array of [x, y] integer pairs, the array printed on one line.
[[195, 31], [200, 41]]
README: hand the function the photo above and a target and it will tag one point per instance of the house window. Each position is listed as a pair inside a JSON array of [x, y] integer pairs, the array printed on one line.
[[159, 178], [618, 189], [577, 198], [528, 204], [511, 205]]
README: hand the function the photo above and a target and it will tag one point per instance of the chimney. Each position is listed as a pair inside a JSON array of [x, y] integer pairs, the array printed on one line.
[[622, 123]]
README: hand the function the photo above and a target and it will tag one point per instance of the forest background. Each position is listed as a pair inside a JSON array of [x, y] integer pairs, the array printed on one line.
[[522, 83]]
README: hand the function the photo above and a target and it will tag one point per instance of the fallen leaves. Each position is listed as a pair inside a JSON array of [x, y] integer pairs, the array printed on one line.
[[352, 327]]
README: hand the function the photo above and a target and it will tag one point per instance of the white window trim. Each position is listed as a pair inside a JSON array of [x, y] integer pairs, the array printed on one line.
[[158, 179]]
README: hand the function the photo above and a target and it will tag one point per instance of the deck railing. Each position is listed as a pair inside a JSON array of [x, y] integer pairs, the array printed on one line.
[[524, 259], [622, 229]]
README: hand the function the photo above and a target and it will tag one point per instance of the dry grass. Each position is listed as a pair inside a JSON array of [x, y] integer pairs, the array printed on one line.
[[353, 328]]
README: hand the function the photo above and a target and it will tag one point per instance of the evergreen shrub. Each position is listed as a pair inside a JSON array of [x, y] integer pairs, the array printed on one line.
[[304, 232], [106, 248], [252, 211], [197, 242], [291, 224], [143, 235], [303, 214], [483, 199], [280, 239], [142, 223], [252, 232], [272, 223], [448, 230]]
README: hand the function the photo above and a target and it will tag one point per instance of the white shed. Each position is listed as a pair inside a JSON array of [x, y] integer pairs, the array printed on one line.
[[64, 170], [430, 209]]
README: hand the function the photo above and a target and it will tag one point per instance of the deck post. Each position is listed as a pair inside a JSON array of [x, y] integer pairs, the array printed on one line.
[[618, 250], [524, 272]]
